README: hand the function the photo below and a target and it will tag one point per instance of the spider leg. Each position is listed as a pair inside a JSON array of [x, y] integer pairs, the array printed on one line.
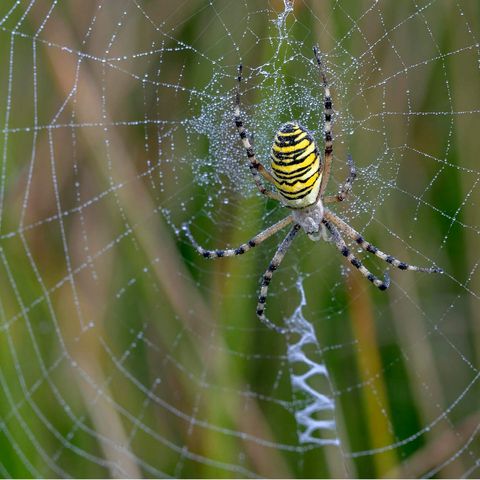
[[346, 188], [245, 247], [256, 168], [267, 277], [354, 235], [328, 112], [344, 250]]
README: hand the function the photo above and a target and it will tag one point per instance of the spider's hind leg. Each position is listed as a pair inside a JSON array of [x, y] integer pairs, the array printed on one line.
[[345, 251], [267, 277], [367, 246], [244, 247]]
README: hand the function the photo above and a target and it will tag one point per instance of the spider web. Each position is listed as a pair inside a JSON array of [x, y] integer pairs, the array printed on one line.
[[123, 352]]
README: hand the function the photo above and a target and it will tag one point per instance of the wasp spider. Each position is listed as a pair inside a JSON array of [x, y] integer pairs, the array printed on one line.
[[300, 178]]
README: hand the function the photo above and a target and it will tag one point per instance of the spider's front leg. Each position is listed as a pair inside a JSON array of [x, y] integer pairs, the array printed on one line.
[[346, 187], [328, 138], [327, 126], [256, 168]]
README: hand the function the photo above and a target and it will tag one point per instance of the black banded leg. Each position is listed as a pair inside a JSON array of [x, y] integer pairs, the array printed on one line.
[[245, 247], [327, 127], [344, 250], [256, 168], [346, 188], [367, 246], [267, 277]]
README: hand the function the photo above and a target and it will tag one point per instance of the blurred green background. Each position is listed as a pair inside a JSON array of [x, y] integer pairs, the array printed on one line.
[[123, 352]]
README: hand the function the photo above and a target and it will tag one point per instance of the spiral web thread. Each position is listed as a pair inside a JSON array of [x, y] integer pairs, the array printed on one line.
[[119, 356]]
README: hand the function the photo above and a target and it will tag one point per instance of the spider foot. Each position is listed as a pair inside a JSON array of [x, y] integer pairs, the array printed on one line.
[[269, 324], [185, 228], [386, 281]]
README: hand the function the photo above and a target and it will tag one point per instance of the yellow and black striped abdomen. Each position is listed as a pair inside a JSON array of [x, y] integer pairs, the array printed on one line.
[[296, 165]]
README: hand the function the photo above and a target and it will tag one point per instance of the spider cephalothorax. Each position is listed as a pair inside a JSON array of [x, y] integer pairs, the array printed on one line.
[[300, 179]]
